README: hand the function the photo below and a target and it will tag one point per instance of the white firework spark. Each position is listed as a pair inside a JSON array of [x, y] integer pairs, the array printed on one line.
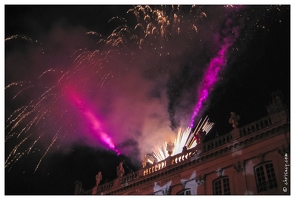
[[181, 140], [185, 138]]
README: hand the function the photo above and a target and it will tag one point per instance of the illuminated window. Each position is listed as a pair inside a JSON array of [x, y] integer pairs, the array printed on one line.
[[221, 186], [186, 191], [265, 177]]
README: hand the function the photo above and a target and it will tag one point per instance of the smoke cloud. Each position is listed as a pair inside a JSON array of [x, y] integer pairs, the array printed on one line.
[[140, 82]]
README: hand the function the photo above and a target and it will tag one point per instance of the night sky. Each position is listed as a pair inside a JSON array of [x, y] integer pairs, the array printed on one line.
[[85, 82]]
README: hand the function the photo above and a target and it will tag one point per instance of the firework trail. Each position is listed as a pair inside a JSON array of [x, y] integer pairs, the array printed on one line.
[[217, 64], [180, 141], [95, 123], [50, 145], [24, 37], [89, 68], [44, 115], [126, 75]]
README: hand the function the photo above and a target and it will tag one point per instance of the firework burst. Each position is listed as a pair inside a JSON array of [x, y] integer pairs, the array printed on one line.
[[50, 115], [187, 138], [125, 75]]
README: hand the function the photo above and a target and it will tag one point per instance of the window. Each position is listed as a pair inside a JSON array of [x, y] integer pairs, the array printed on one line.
[[265, 177], [186, 191], [221, 186]]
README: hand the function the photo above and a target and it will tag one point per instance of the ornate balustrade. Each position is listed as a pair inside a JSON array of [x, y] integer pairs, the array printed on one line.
[[219, 141], [224, 144], [105, 186], [255, 126]]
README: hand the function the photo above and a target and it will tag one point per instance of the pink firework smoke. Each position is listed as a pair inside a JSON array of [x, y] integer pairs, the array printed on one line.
[[216, 65], [92, 119]]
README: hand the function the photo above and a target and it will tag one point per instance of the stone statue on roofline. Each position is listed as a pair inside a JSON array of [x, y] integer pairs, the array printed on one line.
[[78, 187], [144, 161], [98, 178], [277, 104], [120, 170], [170, 147], [234, 119]]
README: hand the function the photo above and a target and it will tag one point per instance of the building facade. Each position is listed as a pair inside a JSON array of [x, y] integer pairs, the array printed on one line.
[[253, 159]]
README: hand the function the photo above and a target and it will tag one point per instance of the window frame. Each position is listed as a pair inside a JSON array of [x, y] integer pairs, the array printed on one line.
[[222, 184], [266, 178]]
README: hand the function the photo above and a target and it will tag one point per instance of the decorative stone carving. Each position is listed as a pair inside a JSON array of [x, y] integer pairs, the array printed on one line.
[[201, 179], [162, 190], [191, 183], [239, 166], [261, 157], [219, 172], [98, 178], [170, 147], [277, 104], [144, 161], [120, 170], [78, 187], [234, 119]]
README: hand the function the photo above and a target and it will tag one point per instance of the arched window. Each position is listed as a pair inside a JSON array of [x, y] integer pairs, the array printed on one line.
[[221, 186], [265, 177]]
